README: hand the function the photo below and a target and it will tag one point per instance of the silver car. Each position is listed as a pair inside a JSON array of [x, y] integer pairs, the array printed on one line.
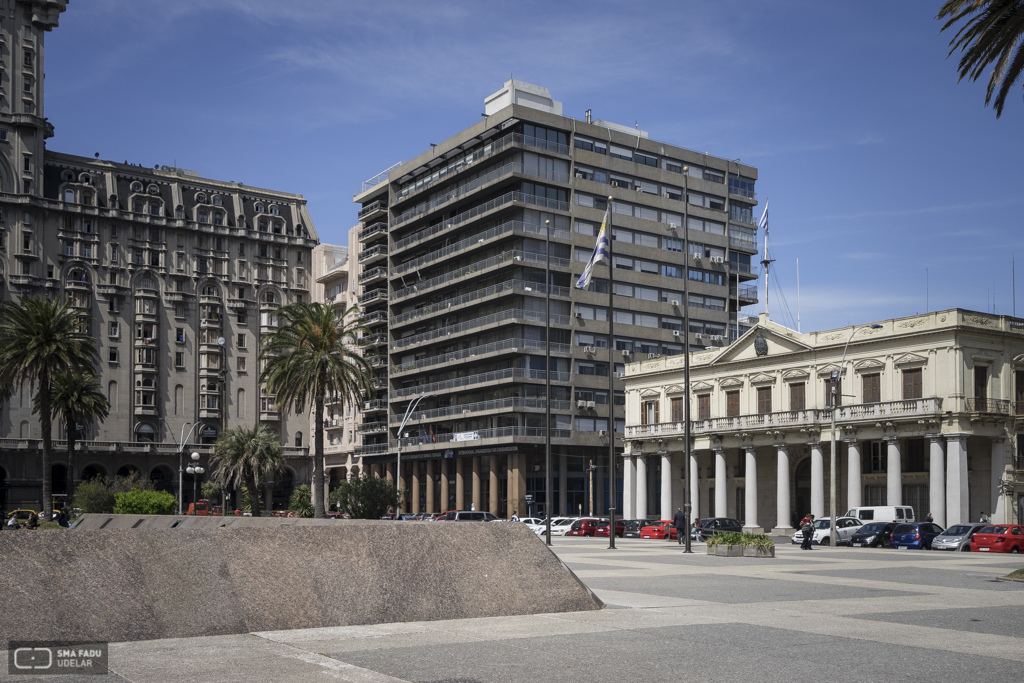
[[957, 537]]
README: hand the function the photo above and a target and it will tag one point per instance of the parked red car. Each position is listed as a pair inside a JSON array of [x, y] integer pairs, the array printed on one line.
[[999, 538], [583, 527], [602, 528], [662, 529]]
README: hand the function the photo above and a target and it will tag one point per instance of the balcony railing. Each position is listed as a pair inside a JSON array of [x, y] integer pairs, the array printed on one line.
[[373, 295], [379, 251], [371, 449], [475, 184], [370, 209], [375, 404], [494, 347], [505, 257], [372, 427], [373, 340], [480, 407], [742, 242], [371, 230], [469, 380], [500, 316], [790, 418], [989, 405], [469, 297], [373, 318], [373, 274], [506, 198], [742, 192], [480, 434]]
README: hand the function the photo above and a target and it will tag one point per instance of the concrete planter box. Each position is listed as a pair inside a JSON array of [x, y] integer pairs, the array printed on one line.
[[740, 551], [754, 551]]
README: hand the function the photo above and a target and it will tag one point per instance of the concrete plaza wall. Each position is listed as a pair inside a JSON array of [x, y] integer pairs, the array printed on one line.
[[140, 584]]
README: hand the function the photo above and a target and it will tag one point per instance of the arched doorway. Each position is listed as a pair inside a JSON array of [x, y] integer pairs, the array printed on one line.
[[127, 471], [803, 491], [284, 485], [163, 479], [93, 471], [59, 479]]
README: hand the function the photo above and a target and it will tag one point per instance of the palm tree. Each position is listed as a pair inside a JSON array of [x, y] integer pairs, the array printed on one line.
[[77, 399], [992, 34], [246, 456], [41, 339], [313, 355]]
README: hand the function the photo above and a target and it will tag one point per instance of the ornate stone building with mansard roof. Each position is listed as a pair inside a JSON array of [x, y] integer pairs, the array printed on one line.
[[175, 275], [929, 417]]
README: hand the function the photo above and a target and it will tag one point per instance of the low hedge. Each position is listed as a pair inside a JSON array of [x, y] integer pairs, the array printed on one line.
[[735, 538]]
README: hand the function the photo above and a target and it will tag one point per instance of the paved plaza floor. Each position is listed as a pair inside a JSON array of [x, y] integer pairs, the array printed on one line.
[[831, 614]]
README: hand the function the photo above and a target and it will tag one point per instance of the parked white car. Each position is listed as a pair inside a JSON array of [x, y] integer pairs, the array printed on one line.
[[561, 525], [822, 533]]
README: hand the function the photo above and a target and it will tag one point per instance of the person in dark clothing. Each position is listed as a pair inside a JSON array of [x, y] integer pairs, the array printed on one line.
[[808, 530], [62, 519], [680, 523], [33, 522]]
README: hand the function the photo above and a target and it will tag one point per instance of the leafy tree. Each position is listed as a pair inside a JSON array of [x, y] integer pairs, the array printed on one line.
[[211, 490], [313, 355], [41, 339], [366, 497], [992, 34], [300, 502], [77, 399], [94, 495], [136, 502], [133, 482], [246, 456]]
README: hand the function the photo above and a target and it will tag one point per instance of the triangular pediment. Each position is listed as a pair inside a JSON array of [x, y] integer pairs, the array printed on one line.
[[759, 338], [795, 374], [700, 386], [869, 364], [1019, 360], [762, 378], [730, 382], [649, 393], [826, 370], [908, 358]]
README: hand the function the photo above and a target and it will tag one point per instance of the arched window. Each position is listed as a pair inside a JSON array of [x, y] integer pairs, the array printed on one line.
[[67, 175], [112, 396], [153, 189], [270, 298], [69, 196], [240, 404], [298, 439], [84, 178], [259, 208], [273, 210], [145, 433], [146, 283], [136, 187], [24, 429], [217, 200], [201, 198], [179, 395]]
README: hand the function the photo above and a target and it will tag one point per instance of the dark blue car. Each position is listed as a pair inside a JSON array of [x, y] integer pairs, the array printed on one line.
[[915, 536]]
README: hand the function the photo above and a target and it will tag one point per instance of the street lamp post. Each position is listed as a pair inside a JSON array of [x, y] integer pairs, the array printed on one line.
[[181, 454], [836, 378], [687, 504], [195, 470], [398, 466]]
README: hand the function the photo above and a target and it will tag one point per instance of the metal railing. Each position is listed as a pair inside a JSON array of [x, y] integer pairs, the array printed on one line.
[[379, 205], [373, 273], [494, 347], [506, 198], [480, 407], [468, 380], [501, 287], [496, 433], [379, 178], [372, 427], [789, 418], [742, 242], [988, 405], [373, 295], [373, 318], [476, 183], [375, 404], [371, 449], [378, 250], [500, 316], [473, 268], [741, 192], [372, 230]]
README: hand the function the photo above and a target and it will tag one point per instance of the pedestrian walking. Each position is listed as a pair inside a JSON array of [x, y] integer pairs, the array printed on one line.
[[807, 527], [984, 518], [929, 518], [515, 515], [680, 523]]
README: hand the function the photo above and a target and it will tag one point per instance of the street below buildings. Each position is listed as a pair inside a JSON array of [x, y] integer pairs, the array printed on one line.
[[834, 614]]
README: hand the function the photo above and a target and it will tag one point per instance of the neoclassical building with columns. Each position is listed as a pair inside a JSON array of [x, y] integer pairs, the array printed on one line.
[[928, 417]]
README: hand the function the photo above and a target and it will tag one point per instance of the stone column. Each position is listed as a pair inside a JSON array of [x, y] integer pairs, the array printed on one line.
[[389, 471], [431, 486], [511, 480], [628, 510], [721, 484], [998, 457], [493, 467], [854, 484], [693, 480], [666, 486], [817, 481], [894, 473], [477, 502], [750, 491], [460, 483], [641, 487], [782, 510], [957, 510], [520, 502], [445, 483], [936, 480], [563, 484], [415, 486], [403, 486]]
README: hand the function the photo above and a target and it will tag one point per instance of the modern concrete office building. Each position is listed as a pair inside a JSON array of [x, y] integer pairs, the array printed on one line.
[[176, 276], [929, 416], [453, 280]]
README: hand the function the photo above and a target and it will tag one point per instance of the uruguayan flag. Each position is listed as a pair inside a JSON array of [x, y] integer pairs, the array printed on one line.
[[601, 250], [763, 223]]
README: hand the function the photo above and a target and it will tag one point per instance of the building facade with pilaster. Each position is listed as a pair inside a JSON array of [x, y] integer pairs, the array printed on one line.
[[929, 416]]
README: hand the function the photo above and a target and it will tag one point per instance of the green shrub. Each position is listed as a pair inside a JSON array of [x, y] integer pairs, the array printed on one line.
[[735, 538], [365, 497], [300, 503], [95, 496], [138, 502]]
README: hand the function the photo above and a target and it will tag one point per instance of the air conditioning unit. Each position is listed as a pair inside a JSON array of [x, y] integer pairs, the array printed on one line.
[[696, 257], [591, 404], [615, 183], [578, 174], [578, 314], [673, 226], [603, 433], [698, 335], [675, 333], [626, 353], [718, 259], [675, 302], [653, 355], [589, 349], [581, 404], [620, 375], [716, 337]]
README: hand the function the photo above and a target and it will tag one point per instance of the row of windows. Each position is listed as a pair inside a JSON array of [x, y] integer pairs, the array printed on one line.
[[631, 345]]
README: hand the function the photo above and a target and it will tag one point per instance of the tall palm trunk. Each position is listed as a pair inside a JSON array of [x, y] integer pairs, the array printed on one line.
[[71, 432], [255, 502], [45, 425], [318, 459]]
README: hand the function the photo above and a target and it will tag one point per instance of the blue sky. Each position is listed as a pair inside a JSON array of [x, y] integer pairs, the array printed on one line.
[[880, 168]]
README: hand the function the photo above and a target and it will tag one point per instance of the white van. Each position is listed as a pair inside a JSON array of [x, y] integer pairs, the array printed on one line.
[[883, 513]]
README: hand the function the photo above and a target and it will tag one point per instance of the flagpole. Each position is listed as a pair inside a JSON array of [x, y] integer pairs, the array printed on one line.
[[611, 386], [687, 503]]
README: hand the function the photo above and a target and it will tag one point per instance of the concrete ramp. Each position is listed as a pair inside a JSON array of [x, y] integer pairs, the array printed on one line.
[[125, 584]]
